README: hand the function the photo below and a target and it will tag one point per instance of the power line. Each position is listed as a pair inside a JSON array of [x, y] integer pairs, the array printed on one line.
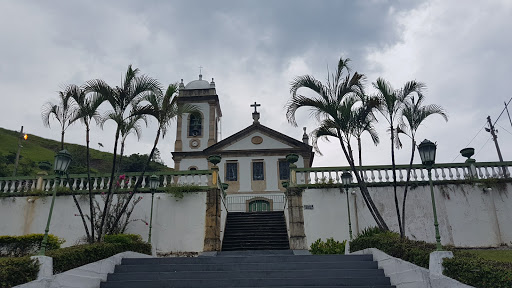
[[470, 141], [504, 129], [502, 111], [482, 146]]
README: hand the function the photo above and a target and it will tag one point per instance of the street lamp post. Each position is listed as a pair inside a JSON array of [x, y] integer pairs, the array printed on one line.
[[427, 151], [346, 178], [153, 184], [61, 164]]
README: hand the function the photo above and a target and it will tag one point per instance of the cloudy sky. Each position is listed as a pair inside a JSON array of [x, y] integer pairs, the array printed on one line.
[[253, 49]]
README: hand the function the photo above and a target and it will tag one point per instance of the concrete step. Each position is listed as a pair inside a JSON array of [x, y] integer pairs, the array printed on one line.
[[251, 282], [254, 253], [266, 274], [347, 265], [250, 259]]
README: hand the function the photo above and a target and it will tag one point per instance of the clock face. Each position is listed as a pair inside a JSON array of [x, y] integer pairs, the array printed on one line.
[[194, 143]]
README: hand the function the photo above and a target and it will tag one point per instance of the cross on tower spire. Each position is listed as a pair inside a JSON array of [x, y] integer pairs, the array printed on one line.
[[255, 105], [201, 70]]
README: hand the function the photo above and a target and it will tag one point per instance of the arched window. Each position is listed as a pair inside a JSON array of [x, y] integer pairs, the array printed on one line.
[[194, 126]]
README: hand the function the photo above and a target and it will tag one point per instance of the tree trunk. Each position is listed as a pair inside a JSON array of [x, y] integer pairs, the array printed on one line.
[[62, 140], [109, 193], [364, 190], [91, 206], [359, 149], [139, 181], [407, 183], [120, 156], [83, 218], [394, 179], [80, 212]]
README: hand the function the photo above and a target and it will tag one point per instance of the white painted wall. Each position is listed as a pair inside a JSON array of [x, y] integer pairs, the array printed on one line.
[[26, 215], [245, 176], [465, 213], [237, 203], [186, 163], [268, 143]]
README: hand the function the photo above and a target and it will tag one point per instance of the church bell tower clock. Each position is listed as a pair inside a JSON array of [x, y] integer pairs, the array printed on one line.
[[198, 131]]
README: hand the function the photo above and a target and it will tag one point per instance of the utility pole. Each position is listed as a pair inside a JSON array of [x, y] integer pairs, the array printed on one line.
[[18, 153], [495, 139]]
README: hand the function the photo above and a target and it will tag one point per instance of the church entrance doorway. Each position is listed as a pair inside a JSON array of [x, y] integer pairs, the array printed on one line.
[[259, 206]]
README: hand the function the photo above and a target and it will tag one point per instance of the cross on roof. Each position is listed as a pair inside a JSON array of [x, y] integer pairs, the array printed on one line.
[[201, 69], [255, 106]]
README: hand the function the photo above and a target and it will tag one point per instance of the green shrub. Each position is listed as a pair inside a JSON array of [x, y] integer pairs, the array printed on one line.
[[475, 271], [123, 238], [417, 252], [370, 231], [15, 271], [71, 257], [330, 246], [17, 246]]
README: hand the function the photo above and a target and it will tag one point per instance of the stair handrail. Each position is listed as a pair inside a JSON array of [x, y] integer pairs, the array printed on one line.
[[223, 193]]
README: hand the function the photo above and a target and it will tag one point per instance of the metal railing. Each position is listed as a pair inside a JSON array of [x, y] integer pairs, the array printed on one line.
[[100, 182], [240, 203], [384, 173]]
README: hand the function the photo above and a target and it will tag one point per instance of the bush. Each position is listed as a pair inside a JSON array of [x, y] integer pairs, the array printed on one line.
[[17, 246], [417, 252], [475, 271], [370, 231], [123, 238], [331, 246], [15, 271], [71, 257]]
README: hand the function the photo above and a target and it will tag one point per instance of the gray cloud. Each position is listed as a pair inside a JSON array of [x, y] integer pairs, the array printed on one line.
[[253, 49]]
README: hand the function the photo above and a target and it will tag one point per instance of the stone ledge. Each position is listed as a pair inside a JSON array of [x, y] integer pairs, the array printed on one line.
[[86, 276], [404, 274]]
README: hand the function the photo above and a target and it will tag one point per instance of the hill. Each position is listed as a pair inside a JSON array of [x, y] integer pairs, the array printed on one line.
[[37, 149]]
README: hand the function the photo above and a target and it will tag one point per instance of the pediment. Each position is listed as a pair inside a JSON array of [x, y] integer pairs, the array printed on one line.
[[257, 137]]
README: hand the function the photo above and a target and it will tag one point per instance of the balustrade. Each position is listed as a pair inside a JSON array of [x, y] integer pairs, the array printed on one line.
[[418, 173], [101, 182]]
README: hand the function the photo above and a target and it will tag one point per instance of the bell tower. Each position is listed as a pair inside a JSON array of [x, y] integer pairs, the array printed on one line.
[[198, 131]]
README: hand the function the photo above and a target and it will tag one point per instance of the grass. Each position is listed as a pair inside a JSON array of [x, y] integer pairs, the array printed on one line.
[[35, 148], [496, 255], [39, 149]]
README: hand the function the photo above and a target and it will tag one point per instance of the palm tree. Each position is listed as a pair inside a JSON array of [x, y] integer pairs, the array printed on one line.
[[164, 108], [414, 113], [63, 113], [364, 119], [132, 89], [332, 106], [391, 101], [87, 110], [131, 125]]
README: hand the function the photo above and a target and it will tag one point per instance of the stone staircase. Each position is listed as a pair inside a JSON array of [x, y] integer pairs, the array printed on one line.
[[272, 268], [255, 231]]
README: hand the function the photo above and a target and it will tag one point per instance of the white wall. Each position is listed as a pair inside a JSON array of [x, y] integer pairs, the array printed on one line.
[[245, 176], [237, 203], [177, 225], [466, 214], [186, 163], [268, 143]]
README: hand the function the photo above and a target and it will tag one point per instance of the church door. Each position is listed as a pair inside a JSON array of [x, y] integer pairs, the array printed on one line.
[[259, 206]]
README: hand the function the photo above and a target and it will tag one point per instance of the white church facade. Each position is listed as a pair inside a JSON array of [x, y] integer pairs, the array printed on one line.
[[253, 160]]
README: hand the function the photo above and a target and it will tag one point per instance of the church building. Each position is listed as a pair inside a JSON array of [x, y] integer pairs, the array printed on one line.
[[253, 159]]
